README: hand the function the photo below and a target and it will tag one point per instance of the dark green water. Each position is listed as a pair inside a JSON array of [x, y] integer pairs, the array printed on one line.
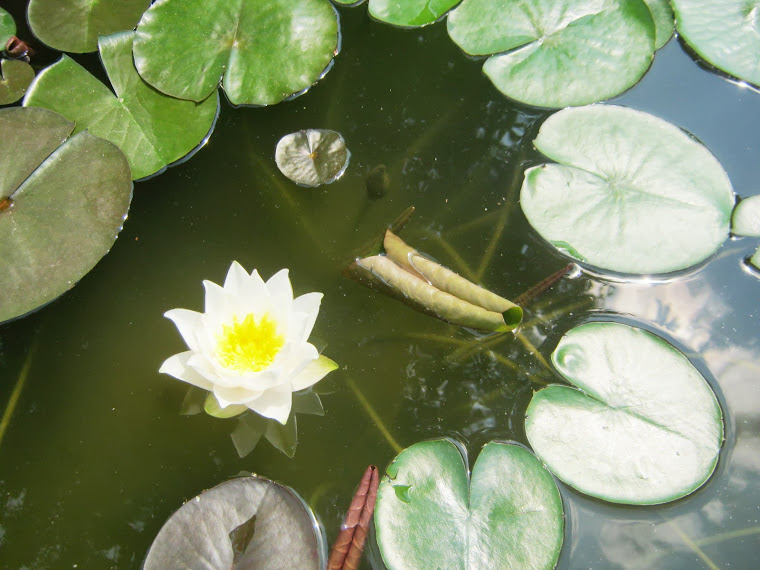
[[96, 455]]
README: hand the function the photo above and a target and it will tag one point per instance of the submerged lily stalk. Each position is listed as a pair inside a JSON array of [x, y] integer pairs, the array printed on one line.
[[249, 348], [429, 287]]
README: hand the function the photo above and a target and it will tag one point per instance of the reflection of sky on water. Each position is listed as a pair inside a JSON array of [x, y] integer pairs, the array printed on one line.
[[713, 316]]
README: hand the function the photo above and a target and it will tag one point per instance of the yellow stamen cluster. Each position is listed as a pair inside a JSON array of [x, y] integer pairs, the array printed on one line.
[[248, 345]]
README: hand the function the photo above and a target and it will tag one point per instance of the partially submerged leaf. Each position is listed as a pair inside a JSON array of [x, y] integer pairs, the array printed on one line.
[[264, 51], [726, 33], [631, 193], [557, 53], [348, 547], [152, 129], [245, 523], [746, 218], [409, 13], [312, 157], [74, 25], [16, 77], [64, 201], [642, 427], [429, 515]]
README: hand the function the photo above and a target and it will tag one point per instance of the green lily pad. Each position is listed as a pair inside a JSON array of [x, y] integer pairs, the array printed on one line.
[[16, 77], [265, 51], [430, 515], [725, 33], [755, 259], [552, 53], [642, 427], [245, 523], [62, 203], [631, 193], [152, 129], [664, 21], [74, 25], [312, 157], [410, 13], [746, 218], [7, 28]]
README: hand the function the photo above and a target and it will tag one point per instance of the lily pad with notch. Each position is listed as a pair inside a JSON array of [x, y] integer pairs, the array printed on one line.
[[429, 514], [245, 523], [631, 193], [725, 33], [262, 52], [152, 129], [63, 200], [557, 53], [312, 157], [14, 80], [640, 425], [74, 25], [746, 217]]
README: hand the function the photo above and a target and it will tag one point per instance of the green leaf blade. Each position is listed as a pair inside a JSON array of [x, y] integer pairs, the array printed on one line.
[[410, 13], [642, 426], [14, 80]]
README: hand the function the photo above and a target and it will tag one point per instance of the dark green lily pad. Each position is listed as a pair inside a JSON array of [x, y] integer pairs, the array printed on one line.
[[410, 13], [7, 28], [62, 203], [74, 25], [244, 523], [642, 427], [151, 128], [557, 53], [725, 33], [312, 157], [430, 515], [631, 193], [16, 77], [265, 51]]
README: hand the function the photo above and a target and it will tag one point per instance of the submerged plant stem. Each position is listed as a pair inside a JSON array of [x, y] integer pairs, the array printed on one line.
[[373, 415], [495, 237], [723, 536], [693, 545], [533, 350], [17, 389]]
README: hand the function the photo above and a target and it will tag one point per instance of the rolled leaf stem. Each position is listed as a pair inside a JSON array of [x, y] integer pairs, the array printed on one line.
[[348, 547], [373, 415], [557, 313], [543, 285]]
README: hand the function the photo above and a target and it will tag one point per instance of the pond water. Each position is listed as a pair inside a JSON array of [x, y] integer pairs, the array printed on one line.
[[96, 455]]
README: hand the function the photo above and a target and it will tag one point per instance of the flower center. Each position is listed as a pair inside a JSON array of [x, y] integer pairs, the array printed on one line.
[[249, 345]]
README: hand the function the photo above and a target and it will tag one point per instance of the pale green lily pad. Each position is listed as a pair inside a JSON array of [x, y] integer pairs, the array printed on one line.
[[16, 77], [746, 218], [74, 25], [62, 203], [244, 523], [552, 53], [642, 427], [430, 515], [7, 28], [725, 33], [312, 157], [664, 21], [265, 51], [631, 193], [410, 13], [755, 259], [151, 128]]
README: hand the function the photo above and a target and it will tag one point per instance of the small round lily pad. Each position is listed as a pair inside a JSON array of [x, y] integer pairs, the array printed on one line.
[[312, 157]]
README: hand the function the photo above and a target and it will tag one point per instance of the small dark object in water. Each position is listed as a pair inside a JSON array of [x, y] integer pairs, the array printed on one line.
[[378, 181]]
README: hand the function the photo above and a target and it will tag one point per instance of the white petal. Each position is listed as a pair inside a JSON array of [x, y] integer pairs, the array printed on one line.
[[188, 323], [274, 403], [309, 305], [226, 395], [236, 279], [280, 288], [216, 300], [313, 373], [295, 357], [178, 367], [213, 408]]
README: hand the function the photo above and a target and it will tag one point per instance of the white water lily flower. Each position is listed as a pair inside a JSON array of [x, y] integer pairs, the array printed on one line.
[[249, 348]]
